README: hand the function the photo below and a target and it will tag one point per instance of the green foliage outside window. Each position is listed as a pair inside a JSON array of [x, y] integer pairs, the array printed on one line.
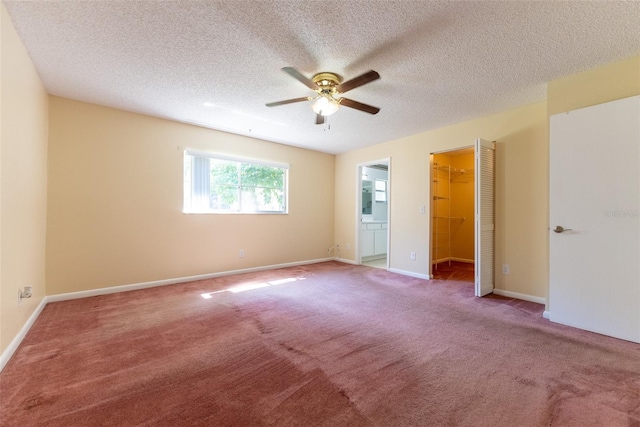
[[256, 187], [226, 185]]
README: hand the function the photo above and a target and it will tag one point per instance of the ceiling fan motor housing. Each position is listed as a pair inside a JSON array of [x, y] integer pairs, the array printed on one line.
[[327, 79]]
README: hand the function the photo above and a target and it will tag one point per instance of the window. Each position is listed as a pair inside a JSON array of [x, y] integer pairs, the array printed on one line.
[[221, 184], [381, 190]]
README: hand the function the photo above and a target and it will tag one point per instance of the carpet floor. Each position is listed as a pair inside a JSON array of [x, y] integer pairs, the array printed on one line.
[[327, 344]]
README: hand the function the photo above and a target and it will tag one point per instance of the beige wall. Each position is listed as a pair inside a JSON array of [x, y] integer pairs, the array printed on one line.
[[521, 194], [115, 202], [23, 180], [608, 83]]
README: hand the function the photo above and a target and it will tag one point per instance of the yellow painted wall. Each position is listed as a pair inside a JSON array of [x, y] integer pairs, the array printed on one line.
[[462, 207], [603, 84], [23, 180], [115, 202], [521, 194]]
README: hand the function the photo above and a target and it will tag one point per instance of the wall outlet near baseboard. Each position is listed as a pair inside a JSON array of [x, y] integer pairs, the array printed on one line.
[[506, 269], [241, 253], [348, 246], [412, 256]]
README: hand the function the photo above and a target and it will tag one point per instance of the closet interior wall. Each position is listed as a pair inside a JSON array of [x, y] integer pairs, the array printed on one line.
[[453, 207]]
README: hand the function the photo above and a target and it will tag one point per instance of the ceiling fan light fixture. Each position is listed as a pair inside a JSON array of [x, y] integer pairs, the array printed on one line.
[[325, 106], [328, 88]]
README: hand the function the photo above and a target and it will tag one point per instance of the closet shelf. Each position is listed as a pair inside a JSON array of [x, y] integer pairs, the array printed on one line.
[[452, 170]]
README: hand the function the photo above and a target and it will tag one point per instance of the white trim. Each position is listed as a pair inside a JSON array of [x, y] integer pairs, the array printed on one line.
[[15, 343], [238, 159], [410, 274], [153, 284], [468, 261], [346, 261], [517, 295], [441, 260], [546, 314]]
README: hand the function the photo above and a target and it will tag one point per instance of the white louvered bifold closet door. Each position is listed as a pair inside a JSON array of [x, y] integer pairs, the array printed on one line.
[[485, 216]]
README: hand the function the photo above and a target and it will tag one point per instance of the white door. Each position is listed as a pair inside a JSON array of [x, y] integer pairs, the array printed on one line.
[[485, 216], [594, 280]]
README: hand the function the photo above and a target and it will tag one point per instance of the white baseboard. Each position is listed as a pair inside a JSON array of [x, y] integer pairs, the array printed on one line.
[[15, 343], [546, 314], [346, 261], [410, 274], [517, 295], [468, 261], [153, 284], [465, 260]]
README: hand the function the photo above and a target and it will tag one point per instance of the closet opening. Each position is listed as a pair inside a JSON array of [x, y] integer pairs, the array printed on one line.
[[453, 215]]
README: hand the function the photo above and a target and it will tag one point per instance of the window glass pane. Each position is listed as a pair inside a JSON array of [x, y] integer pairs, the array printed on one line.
[[381, 190], [224, 172], [256, 199], [224, 185], [228, 185], [262, 188]]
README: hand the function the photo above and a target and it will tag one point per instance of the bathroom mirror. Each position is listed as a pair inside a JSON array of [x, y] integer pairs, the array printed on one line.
[[367, 192]]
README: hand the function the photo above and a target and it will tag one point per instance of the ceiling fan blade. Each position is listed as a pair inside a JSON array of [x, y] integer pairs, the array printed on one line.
[[302, 79], [288, 101], [319, 119], [359, 106], [365, 78]]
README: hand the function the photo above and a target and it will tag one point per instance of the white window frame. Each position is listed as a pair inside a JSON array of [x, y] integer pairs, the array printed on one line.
[[380, 187], [190, 206]]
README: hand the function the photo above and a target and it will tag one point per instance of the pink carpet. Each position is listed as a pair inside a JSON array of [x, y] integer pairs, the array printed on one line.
[[327, 344]]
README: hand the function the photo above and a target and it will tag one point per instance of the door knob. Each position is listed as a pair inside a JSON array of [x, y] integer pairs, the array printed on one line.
[[560, 229]]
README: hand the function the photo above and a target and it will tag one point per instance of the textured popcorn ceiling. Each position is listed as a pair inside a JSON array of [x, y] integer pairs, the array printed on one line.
[[216, 63]]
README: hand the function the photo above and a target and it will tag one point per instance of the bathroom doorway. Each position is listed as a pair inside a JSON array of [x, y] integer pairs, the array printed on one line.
[[372, 228]]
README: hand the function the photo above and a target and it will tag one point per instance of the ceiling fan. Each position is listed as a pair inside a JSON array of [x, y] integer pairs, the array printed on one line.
[[329, 89]]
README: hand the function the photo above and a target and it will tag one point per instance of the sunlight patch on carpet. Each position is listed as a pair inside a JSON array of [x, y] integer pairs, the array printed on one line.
[[251, 286]]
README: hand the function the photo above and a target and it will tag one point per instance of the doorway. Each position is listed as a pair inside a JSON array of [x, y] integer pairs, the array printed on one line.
[[452, 215], [482, 220], [372, 228]]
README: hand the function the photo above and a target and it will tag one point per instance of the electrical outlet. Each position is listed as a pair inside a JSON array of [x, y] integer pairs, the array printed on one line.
[[348, 246], [422, 209], [506, 269], [241, 253], [412, 256]]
